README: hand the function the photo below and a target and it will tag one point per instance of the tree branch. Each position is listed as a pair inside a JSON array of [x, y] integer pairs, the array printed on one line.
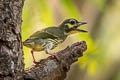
[[51, 69]]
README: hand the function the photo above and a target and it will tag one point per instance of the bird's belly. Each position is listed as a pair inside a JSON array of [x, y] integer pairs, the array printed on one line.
[[41, 44], [38, 47]]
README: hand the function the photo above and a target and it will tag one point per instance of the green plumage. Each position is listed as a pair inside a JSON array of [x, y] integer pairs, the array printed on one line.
[[56, 31], [50, 37]]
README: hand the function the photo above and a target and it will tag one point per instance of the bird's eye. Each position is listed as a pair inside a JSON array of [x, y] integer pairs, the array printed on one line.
[[72, 22]]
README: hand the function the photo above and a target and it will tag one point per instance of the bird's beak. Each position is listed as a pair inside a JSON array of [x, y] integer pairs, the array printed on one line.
[[79, 24]]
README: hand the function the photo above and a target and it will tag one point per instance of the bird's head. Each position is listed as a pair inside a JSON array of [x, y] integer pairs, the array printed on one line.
[[70, 26]]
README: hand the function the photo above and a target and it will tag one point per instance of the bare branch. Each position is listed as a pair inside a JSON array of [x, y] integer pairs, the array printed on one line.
[[51, 69]]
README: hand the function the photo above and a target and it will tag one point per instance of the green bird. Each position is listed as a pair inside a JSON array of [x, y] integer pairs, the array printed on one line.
[[48, 38]]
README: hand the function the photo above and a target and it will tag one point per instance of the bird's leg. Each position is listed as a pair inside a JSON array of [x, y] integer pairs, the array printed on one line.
[[52, 54], [48, 47], [34, 61]]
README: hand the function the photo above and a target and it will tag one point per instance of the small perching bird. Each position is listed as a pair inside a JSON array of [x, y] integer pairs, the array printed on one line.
[[48, 38]]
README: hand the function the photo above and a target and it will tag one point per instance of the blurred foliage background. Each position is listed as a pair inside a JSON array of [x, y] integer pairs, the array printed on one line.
[[101, 61]]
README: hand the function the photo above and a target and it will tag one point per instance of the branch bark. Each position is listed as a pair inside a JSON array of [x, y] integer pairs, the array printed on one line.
[[51, 69]]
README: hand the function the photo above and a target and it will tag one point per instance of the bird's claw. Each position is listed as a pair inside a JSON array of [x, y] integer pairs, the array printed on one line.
[[53, 55]]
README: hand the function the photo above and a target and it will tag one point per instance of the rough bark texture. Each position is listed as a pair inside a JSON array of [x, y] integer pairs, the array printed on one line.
[[11, 54], [51, 69]]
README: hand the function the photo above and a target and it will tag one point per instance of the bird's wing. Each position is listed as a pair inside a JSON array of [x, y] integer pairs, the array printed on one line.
[[55, 31], [41, 35], [47, 33]]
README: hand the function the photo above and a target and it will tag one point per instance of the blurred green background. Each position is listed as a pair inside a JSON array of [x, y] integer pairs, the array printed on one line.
[[101, 61]]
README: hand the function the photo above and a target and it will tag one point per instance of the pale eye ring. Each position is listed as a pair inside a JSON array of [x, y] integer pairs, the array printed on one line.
[[72, 22]]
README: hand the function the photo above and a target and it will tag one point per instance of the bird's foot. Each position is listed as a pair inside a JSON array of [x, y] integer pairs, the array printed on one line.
[[34, 63], [53, 55]]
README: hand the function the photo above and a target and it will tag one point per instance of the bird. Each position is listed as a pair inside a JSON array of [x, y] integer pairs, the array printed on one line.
[[49, 38]]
